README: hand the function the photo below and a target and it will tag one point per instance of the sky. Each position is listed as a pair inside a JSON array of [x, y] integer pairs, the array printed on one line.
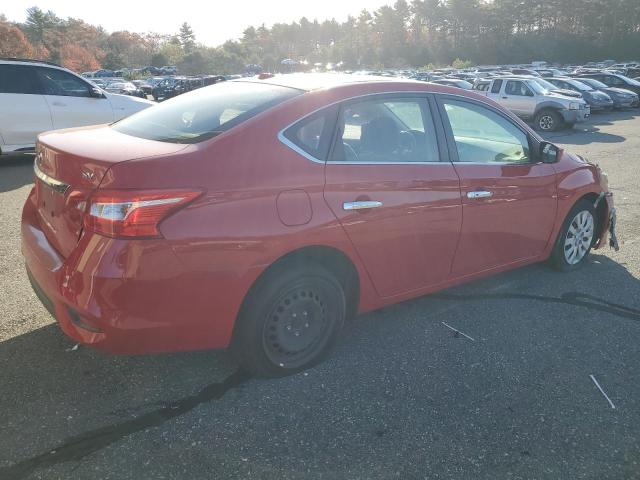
[[213, 22]]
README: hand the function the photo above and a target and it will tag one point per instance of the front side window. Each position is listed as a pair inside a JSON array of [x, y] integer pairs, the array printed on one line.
[[61, 83], [204, 113], [385, 131], [484, 136], [517, 88], [18, 79]]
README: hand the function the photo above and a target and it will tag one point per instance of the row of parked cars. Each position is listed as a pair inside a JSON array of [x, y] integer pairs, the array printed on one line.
[[160, 88], [148, 70], [550, 98]]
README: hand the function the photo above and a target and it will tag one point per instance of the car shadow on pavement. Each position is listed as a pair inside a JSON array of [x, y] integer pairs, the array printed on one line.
[[576, 137], [61, 404], [15, 171]]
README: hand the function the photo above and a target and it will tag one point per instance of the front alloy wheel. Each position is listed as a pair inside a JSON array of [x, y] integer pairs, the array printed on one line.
[[579, 237], [576, 237]]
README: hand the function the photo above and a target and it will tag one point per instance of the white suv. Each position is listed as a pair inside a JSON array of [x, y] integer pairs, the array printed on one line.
[[37, 96]]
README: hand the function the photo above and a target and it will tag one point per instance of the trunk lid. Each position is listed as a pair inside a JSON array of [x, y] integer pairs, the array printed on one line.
[[70, 165]]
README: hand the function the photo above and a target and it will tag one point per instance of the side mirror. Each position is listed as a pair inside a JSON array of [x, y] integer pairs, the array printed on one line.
[[549, 153], [96, 93]]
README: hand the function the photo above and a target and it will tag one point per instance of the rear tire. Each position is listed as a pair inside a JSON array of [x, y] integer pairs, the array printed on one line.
[[548, 121], [290, 320], [576, 237]]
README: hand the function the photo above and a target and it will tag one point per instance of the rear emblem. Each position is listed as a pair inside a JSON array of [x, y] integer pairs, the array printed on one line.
[[88, 175]]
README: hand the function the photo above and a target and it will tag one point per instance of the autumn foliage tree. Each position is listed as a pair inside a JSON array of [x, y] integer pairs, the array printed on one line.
[[14, 43]]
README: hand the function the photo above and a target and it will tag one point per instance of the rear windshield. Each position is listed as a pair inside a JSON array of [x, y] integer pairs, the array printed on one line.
[[204, 113]]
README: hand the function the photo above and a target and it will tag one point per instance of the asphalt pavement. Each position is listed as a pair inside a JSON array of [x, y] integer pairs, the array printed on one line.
[[530, 374]]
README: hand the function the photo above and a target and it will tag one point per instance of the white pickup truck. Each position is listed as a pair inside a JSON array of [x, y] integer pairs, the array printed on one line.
[[548, 111]]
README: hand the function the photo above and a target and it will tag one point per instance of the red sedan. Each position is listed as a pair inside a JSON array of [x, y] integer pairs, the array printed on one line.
[[259, 214]]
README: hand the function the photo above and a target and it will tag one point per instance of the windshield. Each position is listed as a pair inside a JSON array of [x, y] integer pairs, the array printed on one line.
[[580, 86], [593, 83], [204, 113], [546, 85], [537, 88]]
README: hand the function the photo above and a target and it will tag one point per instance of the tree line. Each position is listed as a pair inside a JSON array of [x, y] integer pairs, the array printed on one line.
[[401, 35]]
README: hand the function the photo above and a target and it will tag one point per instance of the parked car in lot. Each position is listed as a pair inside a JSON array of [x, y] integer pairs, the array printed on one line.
[[526, 98], [621, 97], [615, 80], [261, 214], [454, 82], [124, 88], [550, 87], [39, 96], [597, 100]]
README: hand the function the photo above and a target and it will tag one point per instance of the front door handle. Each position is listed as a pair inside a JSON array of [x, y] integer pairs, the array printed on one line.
[[361, 205], [479, 194], [59, 104]]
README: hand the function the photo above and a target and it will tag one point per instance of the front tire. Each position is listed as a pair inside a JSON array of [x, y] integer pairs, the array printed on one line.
[[548, 121], [290, 320], [575, 238]]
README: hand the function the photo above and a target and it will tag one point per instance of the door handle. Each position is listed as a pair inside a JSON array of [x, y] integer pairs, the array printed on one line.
[[361, 205], [59, 104], [479, 194], [505, 98]]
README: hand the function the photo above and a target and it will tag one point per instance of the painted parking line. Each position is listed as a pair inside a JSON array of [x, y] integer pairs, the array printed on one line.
[[602, 391], [458, 331]]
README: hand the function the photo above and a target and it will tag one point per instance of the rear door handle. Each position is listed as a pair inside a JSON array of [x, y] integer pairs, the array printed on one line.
[[59, 104], [479, 194], [361, 205]]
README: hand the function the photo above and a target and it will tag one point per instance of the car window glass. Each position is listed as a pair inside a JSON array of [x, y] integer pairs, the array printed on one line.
[[616, 81], [484, 136], [516, 88], [386, 131], [58, 82], [311, 133], [497, 85], [204, 113], [18, 79]]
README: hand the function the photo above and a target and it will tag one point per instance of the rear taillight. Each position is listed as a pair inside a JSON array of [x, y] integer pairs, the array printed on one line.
[[122, 213]]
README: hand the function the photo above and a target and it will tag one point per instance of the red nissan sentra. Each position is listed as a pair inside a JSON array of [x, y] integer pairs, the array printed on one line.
[[261, 213]]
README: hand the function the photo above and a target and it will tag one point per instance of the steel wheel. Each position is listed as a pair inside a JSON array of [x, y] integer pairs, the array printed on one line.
[[579, 237], [296, 327], [290, 320]]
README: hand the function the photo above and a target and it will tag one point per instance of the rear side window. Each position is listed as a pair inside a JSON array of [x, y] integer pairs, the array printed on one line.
[[497, 85], [398, 130], [18, 79], [204, 113], [313, 134]]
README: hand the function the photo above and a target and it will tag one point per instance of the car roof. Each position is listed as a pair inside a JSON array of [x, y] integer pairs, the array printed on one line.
[[316, 81]]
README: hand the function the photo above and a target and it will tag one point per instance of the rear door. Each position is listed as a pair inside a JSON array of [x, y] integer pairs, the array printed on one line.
[[509, 199], [24, 112], [394, 192], [70, 100]]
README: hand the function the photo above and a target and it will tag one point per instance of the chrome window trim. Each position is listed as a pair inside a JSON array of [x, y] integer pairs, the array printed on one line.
[[51, 182], [288, 143], [308, 156]]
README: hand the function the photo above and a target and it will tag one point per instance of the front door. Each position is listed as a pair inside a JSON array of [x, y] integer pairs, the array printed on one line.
[[70, 100], [509, 200], [397, 199], [517, 97]]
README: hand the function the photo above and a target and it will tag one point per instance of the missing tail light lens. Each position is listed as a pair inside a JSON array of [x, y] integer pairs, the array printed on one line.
[[133, 214]]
